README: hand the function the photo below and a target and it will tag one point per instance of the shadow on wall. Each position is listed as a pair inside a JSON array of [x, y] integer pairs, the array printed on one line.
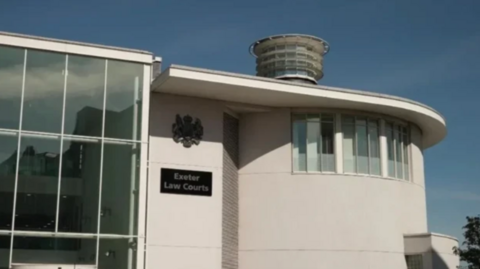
[[431, 259], [265, 132], [439, 263]]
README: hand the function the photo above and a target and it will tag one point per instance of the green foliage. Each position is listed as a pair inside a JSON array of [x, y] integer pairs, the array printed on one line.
[[469, 252]]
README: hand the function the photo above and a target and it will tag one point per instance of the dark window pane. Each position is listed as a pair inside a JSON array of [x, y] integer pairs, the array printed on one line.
[[328, 157], [37, 184], [43, 97], [390, 150], [374, 142], [4, 251], [362, 148], [124, 96], [349, 148], [398, 153], [117, 254], [8, 163], [11, 77], [47, 250], [79, 187], [300, 145], [119, 188], [84, 96]]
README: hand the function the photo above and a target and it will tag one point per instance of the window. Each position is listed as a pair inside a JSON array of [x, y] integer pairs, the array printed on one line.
[[313, 143], [397, 147], [414, 261], [361, 145]]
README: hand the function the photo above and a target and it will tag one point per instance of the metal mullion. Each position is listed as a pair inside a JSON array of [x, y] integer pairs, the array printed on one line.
[[120, 142], [143, 175], [40, 134], [57, 213], [133, 190], [4, 131], [101, 161], [18, 155]]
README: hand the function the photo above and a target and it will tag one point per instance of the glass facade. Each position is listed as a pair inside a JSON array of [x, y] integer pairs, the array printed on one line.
[[70, 140]]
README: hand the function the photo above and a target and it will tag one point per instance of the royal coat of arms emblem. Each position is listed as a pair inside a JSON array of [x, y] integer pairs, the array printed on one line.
[[187, 131]]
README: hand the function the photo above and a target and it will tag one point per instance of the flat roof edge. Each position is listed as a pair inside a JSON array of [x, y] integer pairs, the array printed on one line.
[[430, 235], [319, 87], [75, 43]]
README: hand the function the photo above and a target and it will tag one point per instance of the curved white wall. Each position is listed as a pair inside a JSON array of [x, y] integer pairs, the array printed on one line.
[[319, 220]]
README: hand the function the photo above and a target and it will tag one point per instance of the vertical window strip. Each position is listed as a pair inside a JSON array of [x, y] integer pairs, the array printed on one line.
[[406, 154], [369, 143], [374, 148], [399, 158], [313, 138], [348, 130], [320, 145]]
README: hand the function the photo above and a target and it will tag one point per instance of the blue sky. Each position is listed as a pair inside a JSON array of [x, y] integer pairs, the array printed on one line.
[[425, 50]]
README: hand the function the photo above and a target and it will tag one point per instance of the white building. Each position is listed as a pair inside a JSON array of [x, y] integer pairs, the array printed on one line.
[[123, 167]]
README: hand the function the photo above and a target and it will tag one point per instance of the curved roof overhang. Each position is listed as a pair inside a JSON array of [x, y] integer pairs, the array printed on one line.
[[269, 92]]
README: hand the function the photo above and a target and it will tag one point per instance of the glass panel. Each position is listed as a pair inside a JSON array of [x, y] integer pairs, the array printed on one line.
[[299, 145], [43, 97], [349, 162], [398, 153], [362, 149], [390, 150], [53, 250], [348, 120], [11, 77], [328, 157], [119, 188], [37, 184], [79, 187], [374, 149], [4, 251], [327, 117], [361, 121], [124, 96], [313, 146], [405, 157], [84, 96], [8, 164], [117, 254], [313, 117]]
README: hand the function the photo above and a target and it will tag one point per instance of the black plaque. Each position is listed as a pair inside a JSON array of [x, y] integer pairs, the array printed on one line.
[[185, 182]]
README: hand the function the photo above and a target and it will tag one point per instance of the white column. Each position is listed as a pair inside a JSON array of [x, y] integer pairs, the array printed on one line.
[[143, 184], [383, 149], [338, 144]]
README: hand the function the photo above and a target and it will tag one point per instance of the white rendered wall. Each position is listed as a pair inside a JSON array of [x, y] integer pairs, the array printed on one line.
[[317, 220], [184, 231]]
